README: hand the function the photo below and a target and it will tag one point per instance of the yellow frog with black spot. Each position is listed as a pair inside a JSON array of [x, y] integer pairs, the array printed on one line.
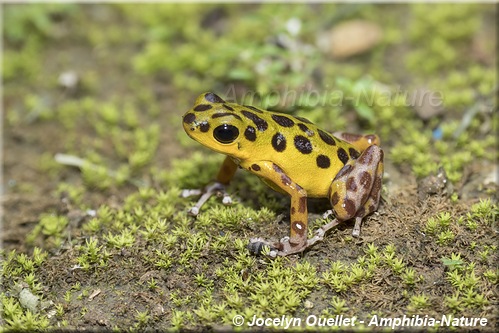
[[291, 155]]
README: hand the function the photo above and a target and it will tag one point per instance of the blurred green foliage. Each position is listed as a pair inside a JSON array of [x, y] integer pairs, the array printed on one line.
[[261, 49]]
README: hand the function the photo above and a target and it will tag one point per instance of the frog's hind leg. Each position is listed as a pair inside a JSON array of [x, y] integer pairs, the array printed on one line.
[[355, 191], [372, 203]]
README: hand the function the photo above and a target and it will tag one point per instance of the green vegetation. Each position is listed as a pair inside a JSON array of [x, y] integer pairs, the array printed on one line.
[[106, 238]]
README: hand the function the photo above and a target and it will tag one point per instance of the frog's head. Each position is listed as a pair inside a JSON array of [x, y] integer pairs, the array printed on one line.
[[215, 124]]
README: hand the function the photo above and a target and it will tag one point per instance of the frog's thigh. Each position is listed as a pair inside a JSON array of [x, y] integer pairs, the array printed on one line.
[[355, 190], [373, 200], [299, 215], [361, 142]]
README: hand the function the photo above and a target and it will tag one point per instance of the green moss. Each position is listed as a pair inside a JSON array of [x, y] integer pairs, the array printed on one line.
[[92, 254], [409, 276], [340, 278], [52, 227], [418, 302], [22, 290], [194, 54], [34, 19], [441, 51], [22, 62], [445, 237]]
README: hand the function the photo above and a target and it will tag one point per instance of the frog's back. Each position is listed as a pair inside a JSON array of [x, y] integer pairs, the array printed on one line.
[[307, 154]]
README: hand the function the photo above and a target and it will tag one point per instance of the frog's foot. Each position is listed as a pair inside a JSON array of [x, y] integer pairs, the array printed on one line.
[[284, 247], [216, 188], [319, 233], [327, 214], [257, 245], [356, 227]]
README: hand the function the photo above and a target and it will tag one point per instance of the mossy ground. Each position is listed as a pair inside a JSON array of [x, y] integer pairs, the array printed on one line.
[[108, 244]]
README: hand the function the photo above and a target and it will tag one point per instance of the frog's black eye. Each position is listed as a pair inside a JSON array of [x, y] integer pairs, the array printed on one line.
[[225, 133]]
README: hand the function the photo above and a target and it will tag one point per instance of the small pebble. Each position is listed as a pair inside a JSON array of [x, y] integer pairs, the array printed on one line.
[[426, 103], [293, 25], [28, 300], [437, 184], [350, 38], [68, 79], [308, 305]]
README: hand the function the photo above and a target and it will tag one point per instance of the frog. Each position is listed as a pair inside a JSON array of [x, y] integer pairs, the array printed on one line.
[[292, 156]]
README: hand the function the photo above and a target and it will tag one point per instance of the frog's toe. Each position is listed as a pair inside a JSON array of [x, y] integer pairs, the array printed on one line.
[[319, 233], [194, 211], [258, 245], [327, 214], [190, 193], [356, 227], [227, 200], [283, 248], [286, 247]]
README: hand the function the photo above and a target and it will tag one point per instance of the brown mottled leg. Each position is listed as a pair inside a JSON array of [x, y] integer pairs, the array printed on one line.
[[356, 189], [372, 202]]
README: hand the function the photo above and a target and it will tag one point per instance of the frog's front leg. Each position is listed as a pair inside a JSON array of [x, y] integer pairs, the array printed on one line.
[[297, 240], [356, 189], [225, 175]]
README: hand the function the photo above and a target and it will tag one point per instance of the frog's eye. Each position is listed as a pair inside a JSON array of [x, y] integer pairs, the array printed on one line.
[[225, 133]]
